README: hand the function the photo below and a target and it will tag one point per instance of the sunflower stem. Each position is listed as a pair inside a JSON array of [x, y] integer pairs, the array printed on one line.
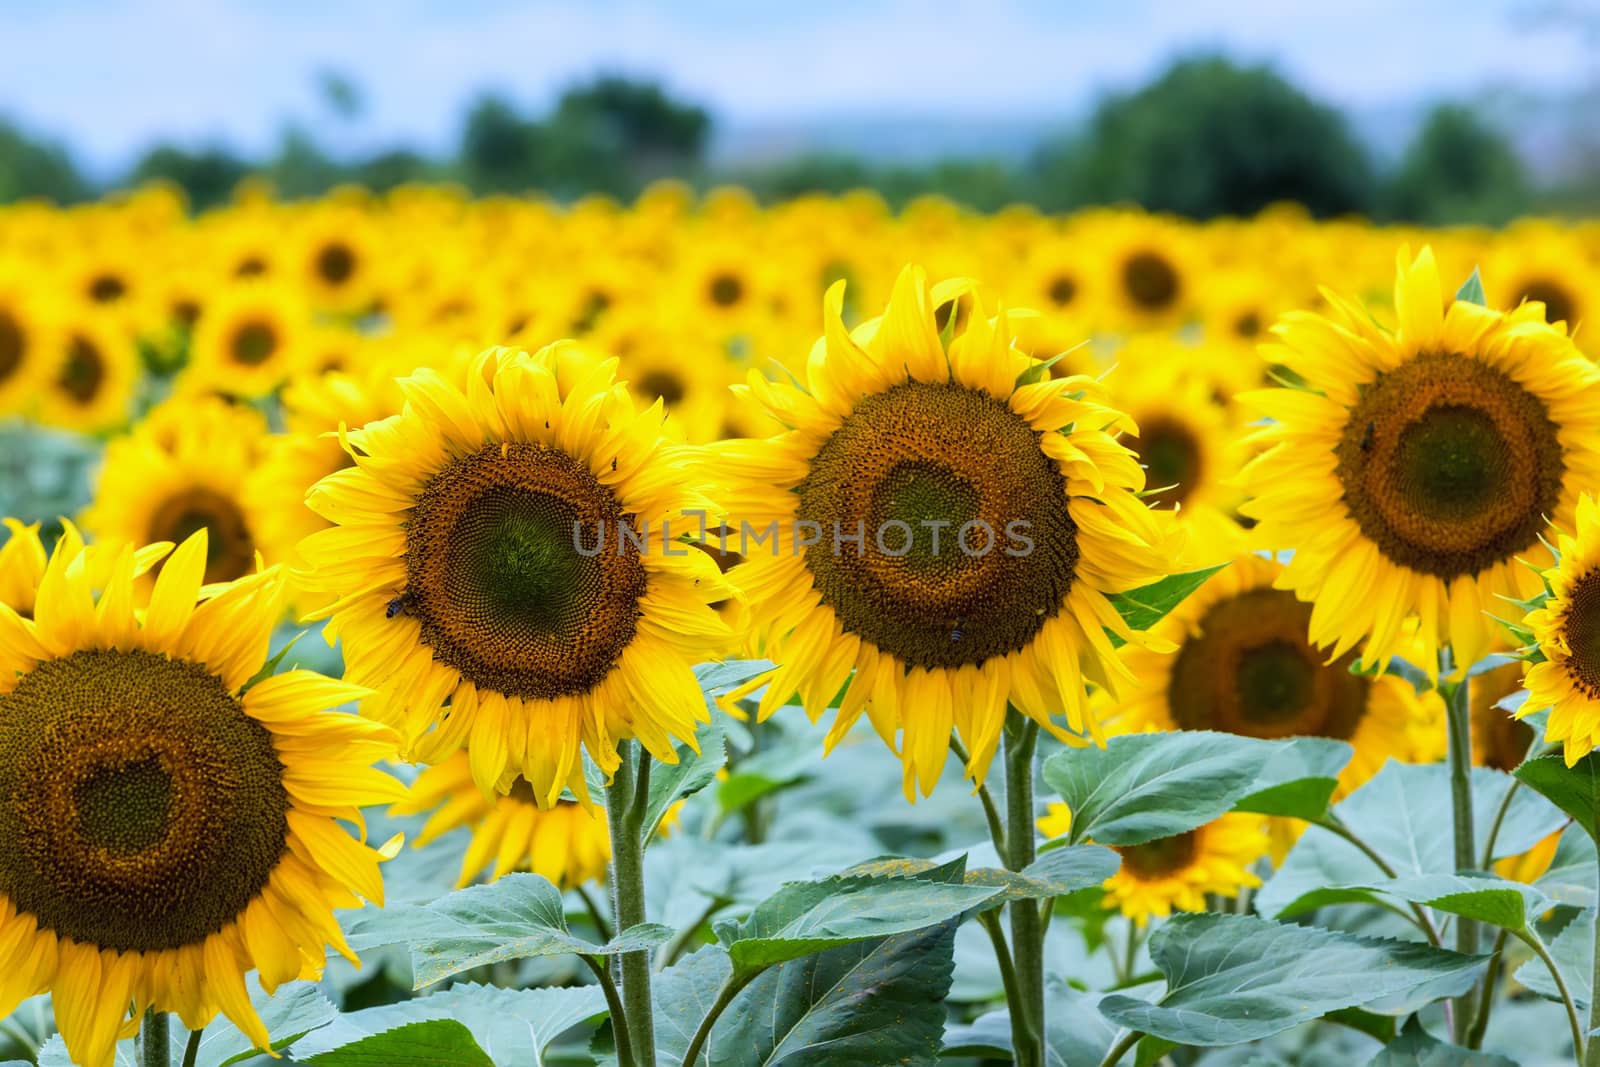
[[626, 800], [155, 1041], [1480, 1021], [1027, 931], [1459, 702], [1021, 1032], [619, 1020], [991, 811], [1591, 1051]]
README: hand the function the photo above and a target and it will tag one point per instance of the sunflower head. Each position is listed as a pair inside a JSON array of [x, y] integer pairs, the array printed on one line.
[[1565, 674], [170, 817], [1415, 466], [506, 562], [939, 529]]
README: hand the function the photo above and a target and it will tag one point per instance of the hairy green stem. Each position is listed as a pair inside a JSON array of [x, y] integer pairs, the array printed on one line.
[[626, 801], [1459, 701], [1120, 1049], [702, 1034], [619, 1017], [1027, 929], [191, 1048], [1021, 1030], [1591, 1052], [991, 811], [1480, 1020], [1533, 941], [155, 1039]]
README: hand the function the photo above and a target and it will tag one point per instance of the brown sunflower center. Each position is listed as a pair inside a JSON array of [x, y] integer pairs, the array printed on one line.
[[13, 344], [254, 343], [1501, 740], [230, 550], [251, 266], [1247, 325], [142, 809], [1170, 453], [1062, 289], [664, 384], [1249, 669], [916, 498], [1449, 466], [83, 370], [1150, 280], [725, 290], [1556, 298], [336, 262], [1581, 628], [1160, 858], [107, 288], [495, 576]]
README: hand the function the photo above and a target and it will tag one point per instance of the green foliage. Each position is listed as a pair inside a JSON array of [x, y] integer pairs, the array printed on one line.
[[207, 176], [872, 1002], [1573, 951], [1575, 790], [1415, 1047], [1212, 138], [1076, 1034], [1471, 291], [1142, 787], [807, 917], [31, 167], [1235, 978], [434, 1043], [1142, 608], [517, 917], [1458, 170]]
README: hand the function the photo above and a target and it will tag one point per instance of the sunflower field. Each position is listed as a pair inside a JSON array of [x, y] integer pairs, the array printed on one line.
[[440, 631]]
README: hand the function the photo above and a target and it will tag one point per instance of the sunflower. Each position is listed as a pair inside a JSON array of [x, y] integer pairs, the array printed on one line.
[[688, 370], [1149, 269], [27, 344], [334, 258], [170, 826], [1177, 873], [1549, 267], [184, 469], [248, 340], [1415, 467], [1566, 676], [94, 372], [464, 599], [566, 842], [1245, 665], [22, 562], [898, 440]]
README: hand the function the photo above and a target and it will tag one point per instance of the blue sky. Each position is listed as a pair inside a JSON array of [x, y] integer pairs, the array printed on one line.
[[111, 76]]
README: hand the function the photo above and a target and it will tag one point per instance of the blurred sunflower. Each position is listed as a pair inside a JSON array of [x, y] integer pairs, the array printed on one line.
[[1245, 665], [464, 599], [897, 441], [170, 827], [1416, 467], [94, 373], [334, 258], [186, 468], [1566, 676], [27, 344], [1149, 269], [565, 842], [248, 341], [1177, 873]]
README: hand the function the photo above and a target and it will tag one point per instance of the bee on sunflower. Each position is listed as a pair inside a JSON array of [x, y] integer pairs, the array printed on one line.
[[897, 437], [171, 822], [462, 595], [1410, 469]]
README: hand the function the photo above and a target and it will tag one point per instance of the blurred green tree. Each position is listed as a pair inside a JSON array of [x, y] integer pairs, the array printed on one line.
[[31, 166], [207, 176], [1211, 138], [1458, 169]]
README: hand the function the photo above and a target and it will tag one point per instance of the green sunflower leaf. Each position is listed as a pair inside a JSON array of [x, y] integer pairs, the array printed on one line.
[[517, 917], [1054, 874], [1141, 787], [1575, 790], [1415, 1047], [1237, 978], [515, 1026], [1142, 608], [1485, 898], [807, 917], [878, 1002], [671, 782], [433, 1043], [1076, 1034], [1471, 291], [1573, 951], [1403, 814]]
